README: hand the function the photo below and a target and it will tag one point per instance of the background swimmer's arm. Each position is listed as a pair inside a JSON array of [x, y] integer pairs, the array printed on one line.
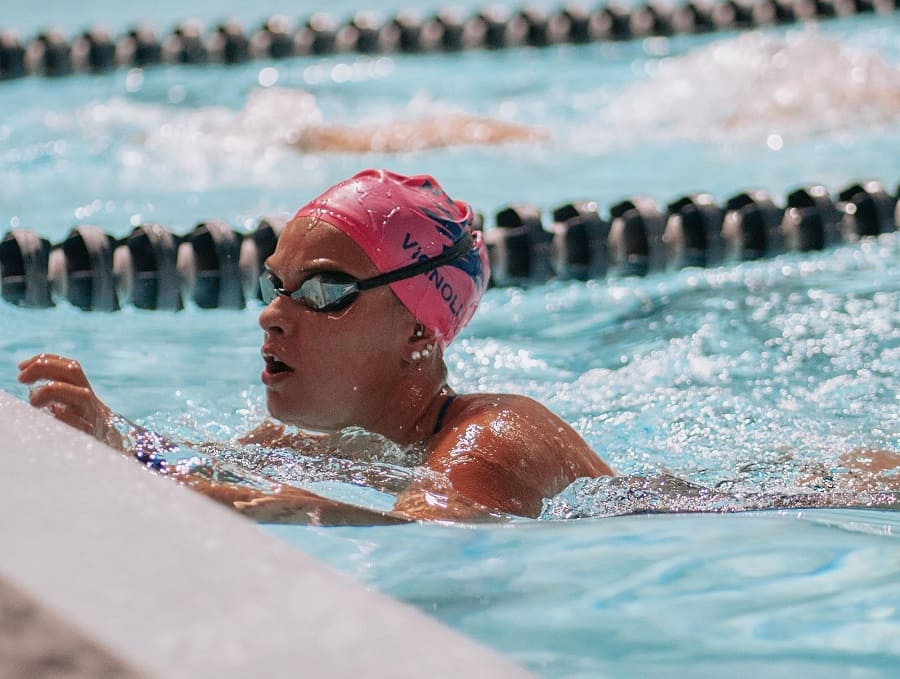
[[415, 135]]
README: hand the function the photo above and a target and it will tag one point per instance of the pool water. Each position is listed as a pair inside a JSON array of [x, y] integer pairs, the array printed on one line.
[[740, 378]]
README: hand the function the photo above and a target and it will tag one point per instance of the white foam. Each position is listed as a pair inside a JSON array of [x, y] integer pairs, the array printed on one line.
[[756, 87]]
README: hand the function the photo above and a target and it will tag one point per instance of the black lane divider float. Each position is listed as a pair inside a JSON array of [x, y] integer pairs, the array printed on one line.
[[214, 266], [51, 53]]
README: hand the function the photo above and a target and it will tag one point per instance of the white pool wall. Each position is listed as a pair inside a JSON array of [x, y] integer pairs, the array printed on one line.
[[178, 586]]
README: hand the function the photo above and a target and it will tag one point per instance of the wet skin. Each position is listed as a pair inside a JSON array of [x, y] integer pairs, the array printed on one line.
[[496, 454]]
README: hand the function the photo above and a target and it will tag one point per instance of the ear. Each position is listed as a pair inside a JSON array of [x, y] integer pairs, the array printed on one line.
[[421, 343]]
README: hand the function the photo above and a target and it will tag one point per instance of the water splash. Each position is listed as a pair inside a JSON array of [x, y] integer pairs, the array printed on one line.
[[616, 496], [756, 87]]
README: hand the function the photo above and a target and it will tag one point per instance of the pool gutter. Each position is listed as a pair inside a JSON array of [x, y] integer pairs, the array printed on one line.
[[174, 585]]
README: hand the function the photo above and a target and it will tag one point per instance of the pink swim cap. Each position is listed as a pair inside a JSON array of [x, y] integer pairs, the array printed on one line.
[[400, 220]]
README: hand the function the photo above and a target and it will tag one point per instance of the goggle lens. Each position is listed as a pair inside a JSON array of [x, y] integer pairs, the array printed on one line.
[[320, 292]]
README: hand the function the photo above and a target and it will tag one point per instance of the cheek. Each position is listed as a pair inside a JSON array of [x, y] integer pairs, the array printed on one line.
[[352, 351], [363, 344]]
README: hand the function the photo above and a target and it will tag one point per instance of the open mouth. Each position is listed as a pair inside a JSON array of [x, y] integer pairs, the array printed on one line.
[[274, 366]]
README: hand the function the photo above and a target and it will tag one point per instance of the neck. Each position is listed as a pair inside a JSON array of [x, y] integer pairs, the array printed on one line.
[[409, 412]]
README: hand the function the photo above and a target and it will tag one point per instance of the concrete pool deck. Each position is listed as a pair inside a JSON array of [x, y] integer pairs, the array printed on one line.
[[103, 557]]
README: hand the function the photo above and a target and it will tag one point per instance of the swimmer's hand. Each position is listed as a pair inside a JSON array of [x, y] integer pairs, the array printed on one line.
[[66, 394]]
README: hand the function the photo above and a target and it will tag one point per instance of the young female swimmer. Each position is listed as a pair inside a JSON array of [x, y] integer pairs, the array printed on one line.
[[368, 285]]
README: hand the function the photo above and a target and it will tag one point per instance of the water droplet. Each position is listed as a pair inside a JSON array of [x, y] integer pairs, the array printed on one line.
[[134, 80], [268, 76]]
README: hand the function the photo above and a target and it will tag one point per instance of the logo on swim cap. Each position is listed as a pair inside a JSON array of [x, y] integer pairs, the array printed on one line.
[[470, 262], [397, 220]]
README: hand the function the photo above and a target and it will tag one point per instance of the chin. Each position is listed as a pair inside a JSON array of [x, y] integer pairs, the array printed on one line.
[[278, 409], [287, 413]]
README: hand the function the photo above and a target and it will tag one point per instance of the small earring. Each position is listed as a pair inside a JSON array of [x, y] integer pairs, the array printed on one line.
[[425, 353], [419, 331], [416, 355]]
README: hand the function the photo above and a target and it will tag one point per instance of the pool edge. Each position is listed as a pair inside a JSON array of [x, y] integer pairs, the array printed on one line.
[[177, 586]]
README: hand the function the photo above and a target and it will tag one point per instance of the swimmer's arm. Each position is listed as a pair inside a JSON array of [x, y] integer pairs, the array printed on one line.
[[271, 434], [859, 471], [430, 498], [291, 505]]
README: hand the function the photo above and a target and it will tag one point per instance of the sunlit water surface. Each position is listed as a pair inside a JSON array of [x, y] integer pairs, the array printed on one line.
[[748, 380]]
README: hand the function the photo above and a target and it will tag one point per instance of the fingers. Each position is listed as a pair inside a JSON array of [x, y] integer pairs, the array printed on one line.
[[62, 392], [76, 406], [52, 367]]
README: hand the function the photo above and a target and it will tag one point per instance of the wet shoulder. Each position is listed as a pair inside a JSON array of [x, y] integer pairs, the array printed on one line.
[[486, 405], [516, 432]]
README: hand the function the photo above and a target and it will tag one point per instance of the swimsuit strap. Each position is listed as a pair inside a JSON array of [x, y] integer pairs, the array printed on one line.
[[445, 406]]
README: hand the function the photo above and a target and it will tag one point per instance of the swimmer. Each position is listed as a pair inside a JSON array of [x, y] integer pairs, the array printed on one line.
[[310, 133], [368, 285], [414, 135]]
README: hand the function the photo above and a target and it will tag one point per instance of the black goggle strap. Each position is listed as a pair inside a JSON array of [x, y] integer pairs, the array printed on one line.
[[462, 246]]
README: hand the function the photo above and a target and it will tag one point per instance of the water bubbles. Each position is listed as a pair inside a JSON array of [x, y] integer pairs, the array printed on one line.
[[268, 76], [177, 94], [313, 75], [656, 46], [99, 113], [383, 67], [86, 211], [341, 73], [134, 80]]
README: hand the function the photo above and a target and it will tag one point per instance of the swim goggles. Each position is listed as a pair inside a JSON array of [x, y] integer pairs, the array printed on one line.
[[335, 290]]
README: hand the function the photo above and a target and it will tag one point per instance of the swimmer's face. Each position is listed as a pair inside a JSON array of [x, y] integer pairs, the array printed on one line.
[[329, 370]]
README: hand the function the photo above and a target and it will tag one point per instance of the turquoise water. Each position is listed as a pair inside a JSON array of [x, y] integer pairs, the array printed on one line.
[[739, 377]]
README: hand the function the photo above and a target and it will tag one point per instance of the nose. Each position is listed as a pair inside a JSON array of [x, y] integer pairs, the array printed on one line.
[[273, 318]]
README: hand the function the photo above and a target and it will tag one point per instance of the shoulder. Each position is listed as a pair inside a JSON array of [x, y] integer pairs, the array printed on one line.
[[508, 418], [510, 451]]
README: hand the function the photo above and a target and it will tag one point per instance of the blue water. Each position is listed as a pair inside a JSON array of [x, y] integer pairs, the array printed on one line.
[[739, 377]]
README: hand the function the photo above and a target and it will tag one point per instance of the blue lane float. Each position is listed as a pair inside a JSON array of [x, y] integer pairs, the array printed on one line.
[[52, 54], [216, 267]]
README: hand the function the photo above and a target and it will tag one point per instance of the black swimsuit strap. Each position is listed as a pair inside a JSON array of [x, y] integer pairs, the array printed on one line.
[[445, 406]]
